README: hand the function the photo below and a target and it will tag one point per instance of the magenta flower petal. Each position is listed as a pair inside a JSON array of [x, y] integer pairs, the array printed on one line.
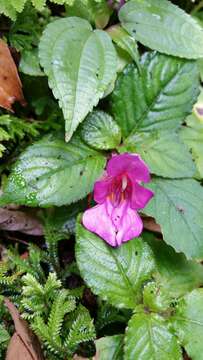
[[114, 224], [101, 190], [98, 221], [119, 194], [140, 196], [127, 222], [131, 164]]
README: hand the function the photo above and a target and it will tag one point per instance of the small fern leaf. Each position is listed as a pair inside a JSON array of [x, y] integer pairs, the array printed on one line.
[[81, 330]]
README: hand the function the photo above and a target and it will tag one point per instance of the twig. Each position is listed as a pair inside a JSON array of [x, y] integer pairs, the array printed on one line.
[[17, 240]]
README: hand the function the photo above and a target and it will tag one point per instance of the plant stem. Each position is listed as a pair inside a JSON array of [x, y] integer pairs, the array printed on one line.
[[197, 8]]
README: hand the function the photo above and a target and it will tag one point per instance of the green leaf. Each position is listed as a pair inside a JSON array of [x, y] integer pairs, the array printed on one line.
[[124, 41], [100, 131], [175, 273], [192, 135], [177, 207], [29, 63], [80, 64], [96, 12], [116, 275], [51, 172], [200, 67], [148, 336], [123, 59], [110, 347], [159, 97], [155, 297], [188, 323], [163, 151], [162, 26]]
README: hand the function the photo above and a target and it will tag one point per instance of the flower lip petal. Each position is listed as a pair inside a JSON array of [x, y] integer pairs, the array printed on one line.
[[127, 222], [114, 225], [98, 221], [130, 164]]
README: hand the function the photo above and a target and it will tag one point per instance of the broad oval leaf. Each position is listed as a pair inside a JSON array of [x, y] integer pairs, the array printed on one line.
[[162, 26], [100, 131], [188, 323], [124, 41], [158, 97], [192, 135], [116, 275], [80, 64], [163, 151], [174, 272], [177, 208], [148, 337], [109, 347], [52, 172]]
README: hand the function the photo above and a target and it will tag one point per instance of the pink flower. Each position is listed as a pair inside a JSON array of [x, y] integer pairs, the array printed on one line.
[[119, 195]]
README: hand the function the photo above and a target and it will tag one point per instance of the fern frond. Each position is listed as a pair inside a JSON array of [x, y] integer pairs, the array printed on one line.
[[37, 298], [13, 128], [18, 5], [4, 135], [82, 329], [39, 4], [18, 128], [41, 330], [7, 8], [52, 238], [61, 306], [32, 286], [32, 307], [2, 149], [11, 8], [5, 278], [52, 285], [4, 338], [22, 265]]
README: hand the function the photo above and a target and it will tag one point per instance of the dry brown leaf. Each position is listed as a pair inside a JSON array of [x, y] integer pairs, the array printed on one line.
[[10, 84], [23, 345], [16, 220], [150, 224]]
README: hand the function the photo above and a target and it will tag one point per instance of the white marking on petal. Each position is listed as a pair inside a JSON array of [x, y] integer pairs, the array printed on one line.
[[124, 182]]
